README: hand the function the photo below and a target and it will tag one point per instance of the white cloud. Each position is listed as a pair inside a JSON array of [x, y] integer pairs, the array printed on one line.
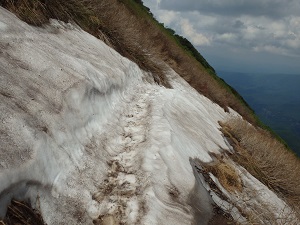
[[250, 33], [167, 17], [270, 8], [279, 29], [295, 22], [227, 37], [183, 26], [293, 43], [258, 26], [195, 37], [272, 49]]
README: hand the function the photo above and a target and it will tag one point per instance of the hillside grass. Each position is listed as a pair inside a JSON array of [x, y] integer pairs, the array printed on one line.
[[265, 158]]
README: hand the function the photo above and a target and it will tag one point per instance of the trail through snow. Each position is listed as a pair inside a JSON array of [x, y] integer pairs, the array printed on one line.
[[89, 139], [121, 193]]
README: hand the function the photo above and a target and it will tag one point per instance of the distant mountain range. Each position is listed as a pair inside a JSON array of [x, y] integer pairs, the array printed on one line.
[[276, 100]]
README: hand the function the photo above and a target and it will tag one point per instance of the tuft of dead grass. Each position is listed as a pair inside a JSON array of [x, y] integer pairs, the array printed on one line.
[[226, 174], [265, 158], [224, 170], [228, 177], [21, 213]]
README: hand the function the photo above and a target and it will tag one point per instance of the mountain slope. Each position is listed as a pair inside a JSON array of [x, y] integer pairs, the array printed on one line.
[[80, 117], [90, 138], [129, 28]]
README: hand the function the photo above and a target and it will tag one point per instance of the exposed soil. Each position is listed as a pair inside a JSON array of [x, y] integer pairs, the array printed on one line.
[[221, 218], [22, 213]]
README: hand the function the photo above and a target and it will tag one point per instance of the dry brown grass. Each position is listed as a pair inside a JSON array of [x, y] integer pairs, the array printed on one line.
[[22, 213], [265, 158], [262, 213], [226, 174]]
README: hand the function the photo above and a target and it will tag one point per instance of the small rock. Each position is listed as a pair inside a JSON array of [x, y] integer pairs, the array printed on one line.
[[108, 220]]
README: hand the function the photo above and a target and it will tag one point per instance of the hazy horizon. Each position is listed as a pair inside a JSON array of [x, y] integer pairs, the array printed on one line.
[[275, 98]]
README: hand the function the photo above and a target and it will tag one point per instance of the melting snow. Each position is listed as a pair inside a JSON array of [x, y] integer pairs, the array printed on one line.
[[85, 137]]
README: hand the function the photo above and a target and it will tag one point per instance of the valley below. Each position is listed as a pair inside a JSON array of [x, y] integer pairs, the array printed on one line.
[[275, 98]]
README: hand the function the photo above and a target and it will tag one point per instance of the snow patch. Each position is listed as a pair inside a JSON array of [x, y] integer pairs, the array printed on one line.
[[3, 26]]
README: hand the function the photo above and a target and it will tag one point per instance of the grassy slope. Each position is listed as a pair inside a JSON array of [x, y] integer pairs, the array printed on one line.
[[266, 159]]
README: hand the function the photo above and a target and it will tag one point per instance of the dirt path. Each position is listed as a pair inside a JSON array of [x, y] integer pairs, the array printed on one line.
[[121, 191]]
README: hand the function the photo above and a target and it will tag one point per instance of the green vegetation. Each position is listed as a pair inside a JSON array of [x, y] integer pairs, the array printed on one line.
[[193, 51]]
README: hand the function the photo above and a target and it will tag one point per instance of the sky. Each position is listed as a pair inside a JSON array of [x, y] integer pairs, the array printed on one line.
[[254, 36]]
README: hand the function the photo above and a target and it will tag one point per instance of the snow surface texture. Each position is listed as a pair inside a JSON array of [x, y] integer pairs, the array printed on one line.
[[85, 135]]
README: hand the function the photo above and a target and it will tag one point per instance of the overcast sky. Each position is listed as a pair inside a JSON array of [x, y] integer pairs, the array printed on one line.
[[238, 35]]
